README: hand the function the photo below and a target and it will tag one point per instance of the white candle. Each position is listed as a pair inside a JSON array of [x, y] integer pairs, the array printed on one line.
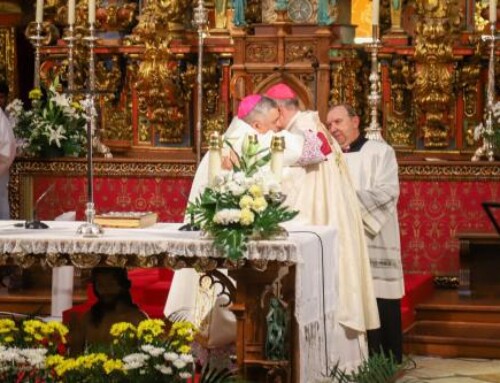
[[375, 12], [214, 165], [277, 164], [277, 156], [91, 11], [39, 11], [493, 11], [71, 12]]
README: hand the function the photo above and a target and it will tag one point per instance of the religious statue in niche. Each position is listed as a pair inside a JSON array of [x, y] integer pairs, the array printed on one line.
[[326, 14], [220, 14], [277, 328], [239, 13]]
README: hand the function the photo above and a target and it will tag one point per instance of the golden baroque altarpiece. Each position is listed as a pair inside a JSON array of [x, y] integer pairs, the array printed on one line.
[[431, 59]]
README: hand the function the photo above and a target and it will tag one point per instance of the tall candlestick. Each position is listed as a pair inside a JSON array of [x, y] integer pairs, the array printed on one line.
[[91, 11], [71, 12], [493, 11], [39, 11], [214, 157], [375, 12]]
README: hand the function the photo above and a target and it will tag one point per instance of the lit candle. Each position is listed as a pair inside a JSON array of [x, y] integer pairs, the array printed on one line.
[[277, 155], [91, 11], [493, 11], [39, 11], [71, 12], [214, 157], [375, 12]]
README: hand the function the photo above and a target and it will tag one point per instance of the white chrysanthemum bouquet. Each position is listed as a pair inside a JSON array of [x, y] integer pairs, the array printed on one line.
[[242, 203], [53, 126]]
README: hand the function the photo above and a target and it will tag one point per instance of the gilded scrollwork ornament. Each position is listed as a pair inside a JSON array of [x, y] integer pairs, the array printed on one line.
[[437, 26], [400, 120], [348, 80], [85, 261]]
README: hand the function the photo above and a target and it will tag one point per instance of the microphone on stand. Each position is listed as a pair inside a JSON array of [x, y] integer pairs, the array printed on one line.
[[35, 223]]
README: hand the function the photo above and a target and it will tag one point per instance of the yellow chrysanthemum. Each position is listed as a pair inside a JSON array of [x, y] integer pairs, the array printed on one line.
[[54, 360], [247, 217], [121, 328], [112, 365], [246, 202], [259, 204], [35, 94], [184, 349], [255, 191], [150, 328]]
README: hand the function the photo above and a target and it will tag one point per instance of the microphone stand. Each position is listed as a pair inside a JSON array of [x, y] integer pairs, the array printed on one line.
[[35, 223]]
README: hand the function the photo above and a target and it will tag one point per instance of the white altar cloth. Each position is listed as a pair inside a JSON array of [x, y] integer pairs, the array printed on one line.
[[313, 249]]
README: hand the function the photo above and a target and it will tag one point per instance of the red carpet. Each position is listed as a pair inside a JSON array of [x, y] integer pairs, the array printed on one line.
[[418, 288]]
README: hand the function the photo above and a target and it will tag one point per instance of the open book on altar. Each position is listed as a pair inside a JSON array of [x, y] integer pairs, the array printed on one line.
[[126, 219]]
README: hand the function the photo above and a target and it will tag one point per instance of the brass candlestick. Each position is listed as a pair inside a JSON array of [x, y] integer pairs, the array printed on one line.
[[486, 150], [90, 228], [373, 132]]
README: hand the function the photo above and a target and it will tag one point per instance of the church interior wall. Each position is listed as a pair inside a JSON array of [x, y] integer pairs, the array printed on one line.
[[432, 84]]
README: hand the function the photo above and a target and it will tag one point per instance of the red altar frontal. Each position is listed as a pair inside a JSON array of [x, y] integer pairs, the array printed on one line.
[[437, 200]]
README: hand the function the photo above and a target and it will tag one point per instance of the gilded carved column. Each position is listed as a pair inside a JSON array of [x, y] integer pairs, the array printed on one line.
[[8, 71], [436, 30]]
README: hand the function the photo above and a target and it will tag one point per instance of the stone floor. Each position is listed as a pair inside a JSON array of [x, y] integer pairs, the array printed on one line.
[[460, 370]]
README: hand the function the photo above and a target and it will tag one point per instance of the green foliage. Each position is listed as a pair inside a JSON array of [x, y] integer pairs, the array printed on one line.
[[55, 124], [379, 368]]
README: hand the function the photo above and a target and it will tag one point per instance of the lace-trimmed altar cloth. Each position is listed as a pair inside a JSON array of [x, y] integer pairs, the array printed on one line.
[[311, 248], [160, 239]]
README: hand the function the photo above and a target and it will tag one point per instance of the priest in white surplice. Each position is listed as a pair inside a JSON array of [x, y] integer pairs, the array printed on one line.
[[374, 170], [324, 194]]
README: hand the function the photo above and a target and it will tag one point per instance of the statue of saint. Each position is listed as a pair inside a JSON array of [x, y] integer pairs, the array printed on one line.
[[324, 11], [114, 304], [220, 14], [239, 13]]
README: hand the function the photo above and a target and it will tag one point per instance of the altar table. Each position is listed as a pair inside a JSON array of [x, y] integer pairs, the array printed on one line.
[[303, 266]]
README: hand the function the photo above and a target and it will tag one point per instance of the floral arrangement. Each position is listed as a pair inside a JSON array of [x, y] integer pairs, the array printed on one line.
[[492, 136], [242, 203], [24, 349], [54, 126], [146, 353]]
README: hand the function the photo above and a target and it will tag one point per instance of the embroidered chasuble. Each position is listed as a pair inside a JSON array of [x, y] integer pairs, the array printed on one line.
[[369, 162]]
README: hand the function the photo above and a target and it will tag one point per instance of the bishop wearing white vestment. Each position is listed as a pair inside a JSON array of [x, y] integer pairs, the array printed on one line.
[[324, 194]]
